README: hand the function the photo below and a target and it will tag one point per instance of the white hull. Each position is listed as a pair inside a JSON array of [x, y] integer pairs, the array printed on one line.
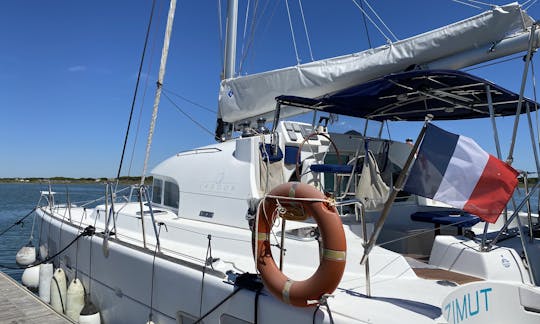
[[121, 282]]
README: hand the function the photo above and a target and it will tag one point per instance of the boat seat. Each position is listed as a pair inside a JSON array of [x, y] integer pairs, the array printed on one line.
[[334, 168], [447, 218]]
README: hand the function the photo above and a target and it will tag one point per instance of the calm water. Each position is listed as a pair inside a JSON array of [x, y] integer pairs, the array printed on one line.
[[17, 200]]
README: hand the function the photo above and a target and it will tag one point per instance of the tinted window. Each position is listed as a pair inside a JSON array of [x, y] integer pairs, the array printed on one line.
[[171, 197], [156, 191]]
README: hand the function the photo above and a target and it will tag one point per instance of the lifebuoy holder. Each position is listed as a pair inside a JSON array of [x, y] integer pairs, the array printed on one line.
[[299, 201]]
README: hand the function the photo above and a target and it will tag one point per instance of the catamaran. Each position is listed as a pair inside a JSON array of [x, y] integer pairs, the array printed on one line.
[[281, 223]]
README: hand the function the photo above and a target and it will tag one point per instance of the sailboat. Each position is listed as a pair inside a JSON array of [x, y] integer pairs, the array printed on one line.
[[229, 232]]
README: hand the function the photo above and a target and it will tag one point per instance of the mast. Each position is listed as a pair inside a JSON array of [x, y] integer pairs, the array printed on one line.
[[229, 64], [230, 40], [161, 76]]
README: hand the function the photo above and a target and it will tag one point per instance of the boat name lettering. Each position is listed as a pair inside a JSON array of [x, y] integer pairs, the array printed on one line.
[[217, 187], [472, 304]]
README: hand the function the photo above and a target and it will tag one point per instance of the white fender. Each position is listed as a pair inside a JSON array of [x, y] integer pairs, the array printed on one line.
[[90, 319], [43, 251], [75, 299], [59, 291], [45, 276], [90, 314], [30, 277], [26, 255]]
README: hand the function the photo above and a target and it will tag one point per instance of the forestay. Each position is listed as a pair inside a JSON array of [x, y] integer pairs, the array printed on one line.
[[483, 36]]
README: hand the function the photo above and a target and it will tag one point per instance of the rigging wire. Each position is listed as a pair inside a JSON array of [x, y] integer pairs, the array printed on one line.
[[371, 20], [159, 84], [366, 27], [532, 4], [306, 30], [191, 101], [380, 19], [494, 63], [136, 90], [187, 115], [152, 53], [467, 4], [220, 27], [482, 3], [255, 24], [245, 27], [292, 32]]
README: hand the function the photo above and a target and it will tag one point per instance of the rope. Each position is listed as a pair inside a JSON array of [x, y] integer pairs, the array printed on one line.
[[90, 260], [323, 302], [208, 253], [136, 90], [217, 306], [59, 294], [19, 222], [88, 231], [256, 311]]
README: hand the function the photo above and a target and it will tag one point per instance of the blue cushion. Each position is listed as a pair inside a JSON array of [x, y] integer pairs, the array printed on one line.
[[267, 153], [331, 168], [291, 155], [445, 218]]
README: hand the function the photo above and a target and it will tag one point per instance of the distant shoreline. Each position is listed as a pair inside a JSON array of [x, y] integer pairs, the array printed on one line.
[[55, 180]]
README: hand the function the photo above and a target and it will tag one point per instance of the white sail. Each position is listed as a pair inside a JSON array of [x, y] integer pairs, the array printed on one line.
[[489, 35]]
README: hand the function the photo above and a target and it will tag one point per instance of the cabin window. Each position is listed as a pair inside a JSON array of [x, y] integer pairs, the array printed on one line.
[[171, 194], [157, 191], [165, 193]]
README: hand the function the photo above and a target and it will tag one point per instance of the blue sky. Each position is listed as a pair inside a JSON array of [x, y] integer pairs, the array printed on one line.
[[68, 70]]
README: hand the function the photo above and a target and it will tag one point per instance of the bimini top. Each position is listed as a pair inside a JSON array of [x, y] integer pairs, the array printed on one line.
[[446, 94]]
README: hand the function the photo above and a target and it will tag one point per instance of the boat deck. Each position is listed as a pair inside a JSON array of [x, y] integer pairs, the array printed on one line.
[[19, 305]]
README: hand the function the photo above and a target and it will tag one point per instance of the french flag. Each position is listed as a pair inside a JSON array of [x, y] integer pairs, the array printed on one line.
[[453, 169]]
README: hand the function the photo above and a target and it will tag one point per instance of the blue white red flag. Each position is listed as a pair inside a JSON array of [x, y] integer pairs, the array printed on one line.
[[453, 169]]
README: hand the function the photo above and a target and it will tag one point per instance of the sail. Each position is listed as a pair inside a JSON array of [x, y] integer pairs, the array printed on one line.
[[492, 34]]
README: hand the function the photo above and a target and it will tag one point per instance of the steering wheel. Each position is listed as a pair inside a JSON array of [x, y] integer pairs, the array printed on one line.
[[298, 161]]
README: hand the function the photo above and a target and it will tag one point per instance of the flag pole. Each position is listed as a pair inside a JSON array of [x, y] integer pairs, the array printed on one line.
[[395, 190]]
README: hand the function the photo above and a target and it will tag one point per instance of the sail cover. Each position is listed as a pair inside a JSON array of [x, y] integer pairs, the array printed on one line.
[[254, 95]]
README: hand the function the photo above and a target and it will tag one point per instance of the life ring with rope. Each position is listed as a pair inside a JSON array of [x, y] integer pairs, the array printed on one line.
[[299, 201]]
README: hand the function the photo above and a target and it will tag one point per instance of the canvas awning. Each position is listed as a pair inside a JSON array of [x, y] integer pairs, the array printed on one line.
[[446, 94]]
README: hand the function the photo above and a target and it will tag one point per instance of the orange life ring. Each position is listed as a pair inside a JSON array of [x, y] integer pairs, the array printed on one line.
[[328, 275]]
